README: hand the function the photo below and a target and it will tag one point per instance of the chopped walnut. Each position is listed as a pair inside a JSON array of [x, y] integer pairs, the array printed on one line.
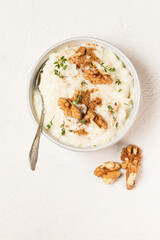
[[95, 102], [99, 120], [131, 161], [69, 108], [84, 57], [110, 177], [85, 97], [91, 114], [81, 131], [107, 167], [90, 52], [81, 51], [96, 77]]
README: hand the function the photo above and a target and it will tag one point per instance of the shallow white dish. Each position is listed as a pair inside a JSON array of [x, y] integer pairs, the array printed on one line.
[[127, 63]]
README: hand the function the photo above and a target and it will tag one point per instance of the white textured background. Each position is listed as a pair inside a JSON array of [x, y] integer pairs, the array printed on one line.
[[63, 199]]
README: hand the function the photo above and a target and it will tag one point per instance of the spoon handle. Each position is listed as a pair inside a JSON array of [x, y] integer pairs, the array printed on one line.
[[33, 154]]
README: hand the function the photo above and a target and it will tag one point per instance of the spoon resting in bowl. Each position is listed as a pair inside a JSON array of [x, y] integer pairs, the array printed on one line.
[[33, 154]]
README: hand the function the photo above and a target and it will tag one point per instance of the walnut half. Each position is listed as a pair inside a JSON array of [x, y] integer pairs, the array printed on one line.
[[69, 108], [110, 177], [96, 77], [108, 171], [131, 175], [131, 161]]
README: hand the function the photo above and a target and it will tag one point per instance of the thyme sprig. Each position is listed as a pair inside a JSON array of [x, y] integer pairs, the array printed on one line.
[[83, 82], [110, 109], [118, 82], [63, 131], [60, 65], [49, 125], [83, 121], [78, 99], [106, 68]]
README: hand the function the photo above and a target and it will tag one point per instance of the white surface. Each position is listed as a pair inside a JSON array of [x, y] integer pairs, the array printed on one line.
[[63, 199]]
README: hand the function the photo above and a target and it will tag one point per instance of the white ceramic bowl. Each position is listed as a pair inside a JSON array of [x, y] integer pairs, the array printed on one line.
[[126, 62]]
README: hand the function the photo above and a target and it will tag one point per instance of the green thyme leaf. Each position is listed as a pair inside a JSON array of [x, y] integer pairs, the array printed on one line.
[[48, 126], [83, 121], [110, 108], [56, 62], [82, 91], [65, 67], [62, 58], [83, 83], [105, 67], [58, 66], [119, 90], [56, 72], [116, 125], [112, 69], [78, 99], [61, 76], [63, 131], [118, 82], [70, 130]]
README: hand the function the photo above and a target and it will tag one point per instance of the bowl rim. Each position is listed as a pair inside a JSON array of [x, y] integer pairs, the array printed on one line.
[[133, 118]]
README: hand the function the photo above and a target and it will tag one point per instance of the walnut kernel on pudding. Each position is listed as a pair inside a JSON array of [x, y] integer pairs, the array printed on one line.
[[97, 77], [131, 161], [108, 171], [69, 108]]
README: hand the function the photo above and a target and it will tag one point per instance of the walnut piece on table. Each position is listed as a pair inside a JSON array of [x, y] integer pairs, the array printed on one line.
[[107, 167], [131, 161], [131, 175], [96, 77], [69, 108], [108, 171], [110, 177]]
